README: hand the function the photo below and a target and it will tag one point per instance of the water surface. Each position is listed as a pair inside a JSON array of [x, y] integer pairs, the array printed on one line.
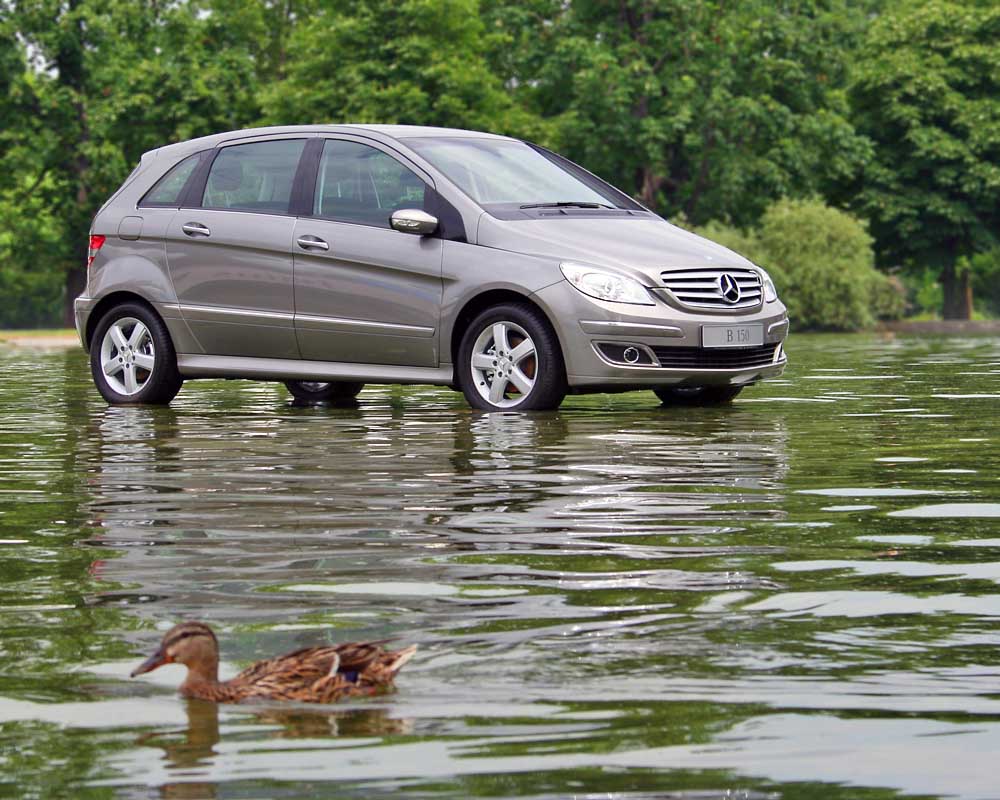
[[795, 596]]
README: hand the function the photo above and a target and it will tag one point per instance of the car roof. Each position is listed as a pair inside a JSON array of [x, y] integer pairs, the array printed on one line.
[[381, 131]]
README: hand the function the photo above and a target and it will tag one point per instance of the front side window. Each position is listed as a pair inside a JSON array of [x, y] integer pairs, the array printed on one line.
[[506, 172], [254, 177], [358, 183], [167, 190]]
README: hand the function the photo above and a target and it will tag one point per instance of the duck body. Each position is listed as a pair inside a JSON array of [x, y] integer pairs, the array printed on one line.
[[310, 675]]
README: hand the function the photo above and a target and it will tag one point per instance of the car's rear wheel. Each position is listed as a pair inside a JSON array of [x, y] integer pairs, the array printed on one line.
[[132, 358], [324, 391], [696, 395], [510, 360]]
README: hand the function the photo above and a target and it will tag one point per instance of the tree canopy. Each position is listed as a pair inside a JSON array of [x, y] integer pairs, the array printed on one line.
[[926, 91], [707, 109]]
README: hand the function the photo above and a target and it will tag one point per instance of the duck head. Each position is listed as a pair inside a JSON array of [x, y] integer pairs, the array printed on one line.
[[192, 644]]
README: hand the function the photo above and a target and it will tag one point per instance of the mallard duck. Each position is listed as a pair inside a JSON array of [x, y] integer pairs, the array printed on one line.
[[309, 675]]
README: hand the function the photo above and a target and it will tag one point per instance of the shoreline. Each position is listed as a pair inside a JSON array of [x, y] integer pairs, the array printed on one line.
[[41, 339], [945, 327]]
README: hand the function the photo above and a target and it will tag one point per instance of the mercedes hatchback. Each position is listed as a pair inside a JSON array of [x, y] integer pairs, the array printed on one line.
[[328, 257]]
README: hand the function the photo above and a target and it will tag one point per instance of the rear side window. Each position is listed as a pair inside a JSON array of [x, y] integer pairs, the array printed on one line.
[[357, 183], [254, 177], [167, 190]]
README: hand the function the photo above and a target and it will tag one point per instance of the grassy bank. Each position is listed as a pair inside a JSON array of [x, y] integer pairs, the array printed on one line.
[[43, 337]]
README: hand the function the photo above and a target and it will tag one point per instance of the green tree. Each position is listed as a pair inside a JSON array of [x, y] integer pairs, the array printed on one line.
[[927, 93], [710, 108], [109, 80], [413, 62]]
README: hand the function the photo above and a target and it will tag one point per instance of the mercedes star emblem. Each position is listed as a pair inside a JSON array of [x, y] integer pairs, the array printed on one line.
[[729, 288]]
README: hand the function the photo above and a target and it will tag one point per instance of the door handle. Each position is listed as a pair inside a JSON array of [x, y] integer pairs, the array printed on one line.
[[309, 242], [195, 229]]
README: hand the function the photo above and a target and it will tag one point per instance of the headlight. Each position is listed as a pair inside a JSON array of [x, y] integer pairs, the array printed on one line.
[[603, 285], [770, 293]]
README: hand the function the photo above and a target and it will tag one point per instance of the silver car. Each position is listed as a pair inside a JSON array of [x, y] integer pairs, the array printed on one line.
[[330, 256]]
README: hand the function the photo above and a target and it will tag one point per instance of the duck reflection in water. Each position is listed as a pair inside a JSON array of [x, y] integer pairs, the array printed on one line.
[[188, 751]]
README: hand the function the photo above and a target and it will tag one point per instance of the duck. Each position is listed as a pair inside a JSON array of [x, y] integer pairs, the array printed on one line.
[[310, 675]]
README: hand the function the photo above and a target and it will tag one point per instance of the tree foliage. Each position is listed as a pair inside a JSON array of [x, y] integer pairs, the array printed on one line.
[[418, 62], [927, 92], [709, 109], [109, 79], [712, 109]]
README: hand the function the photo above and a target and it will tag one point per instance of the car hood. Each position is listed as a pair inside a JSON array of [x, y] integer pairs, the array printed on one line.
[[645, 245]]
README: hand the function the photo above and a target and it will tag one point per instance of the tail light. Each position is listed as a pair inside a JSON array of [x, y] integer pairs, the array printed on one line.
[[96, 243]]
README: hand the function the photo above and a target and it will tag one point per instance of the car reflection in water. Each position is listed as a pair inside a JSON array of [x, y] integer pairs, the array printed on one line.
[[242, 519]]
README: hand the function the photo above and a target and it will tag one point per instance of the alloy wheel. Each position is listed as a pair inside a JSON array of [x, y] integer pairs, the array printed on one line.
[[127, 356], [504, 364]]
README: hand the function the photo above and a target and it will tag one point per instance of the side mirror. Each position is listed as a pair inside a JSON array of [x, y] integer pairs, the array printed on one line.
[[413, 220]]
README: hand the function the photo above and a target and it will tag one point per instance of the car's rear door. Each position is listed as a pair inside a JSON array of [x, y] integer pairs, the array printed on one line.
[[229, 250], [365, 293]]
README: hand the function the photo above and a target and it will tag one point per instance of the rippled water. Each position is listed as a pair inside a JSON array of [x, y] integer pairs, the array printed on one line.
[[792, 597]]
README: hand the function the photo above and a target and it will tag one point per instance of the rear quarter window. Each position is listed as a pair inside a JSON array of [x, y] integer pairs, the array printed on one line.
[[167, 191]]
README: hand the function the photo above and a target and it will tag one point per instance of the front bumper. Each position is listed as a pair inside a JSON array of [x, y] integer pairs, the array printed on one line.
[[583, 325]]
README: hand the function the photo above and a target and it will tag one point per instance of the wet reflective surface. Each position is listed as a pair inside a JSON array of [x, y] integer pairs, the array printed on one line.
[[795, 596]]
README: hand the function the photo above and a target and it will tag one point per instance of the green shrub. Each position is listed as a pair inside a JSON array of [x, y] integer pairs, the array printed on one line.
[[986, 281], [822, 263], [924, 292]]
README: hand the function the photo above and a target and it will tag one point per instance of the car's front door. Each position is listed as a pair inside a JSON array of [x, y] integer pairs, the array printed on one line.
[[365, 293], [230, 254]]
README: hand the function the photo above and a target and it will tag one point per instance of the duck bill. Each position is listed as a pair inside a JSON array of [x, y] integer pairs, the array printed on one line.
[[158, 659]]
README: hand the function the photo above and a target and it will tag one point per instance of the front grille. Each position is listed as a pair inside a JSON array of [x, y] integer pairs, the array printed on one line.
[[715, 358], [702, 287]]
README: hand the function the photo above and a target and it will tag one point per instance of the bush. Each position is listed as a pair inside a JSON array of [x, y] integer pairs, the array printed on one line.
[[822, 263], [986, 281], [924, 294]]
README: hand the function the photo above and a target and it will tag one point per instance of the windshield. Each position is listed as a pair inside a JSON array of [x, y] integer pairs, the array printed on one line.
[[508, 172]]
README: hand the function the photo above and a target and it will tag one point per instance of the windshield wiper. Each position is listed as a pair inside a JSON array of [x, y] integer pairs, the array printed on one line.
[[567, 204]]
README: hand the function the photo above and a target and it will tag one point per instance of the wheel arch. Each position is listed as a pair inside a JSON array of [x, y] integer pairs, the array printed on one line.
[[492, 297], [109, 301]]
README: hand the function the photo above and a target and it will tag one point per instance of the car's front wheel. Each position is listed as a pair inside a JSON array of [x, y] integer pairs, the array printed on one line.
[[696, 395], [510, 360], [324, 391], [132, 358]]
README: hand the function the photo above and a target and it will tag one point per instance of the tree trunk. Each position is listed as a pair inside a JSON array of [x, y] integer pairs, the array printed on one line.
[[649, 185], [957, 288]]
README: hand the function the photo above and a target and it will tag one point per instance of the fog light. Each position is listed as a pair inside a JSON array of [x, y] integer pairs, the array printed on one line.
[[626, 354]]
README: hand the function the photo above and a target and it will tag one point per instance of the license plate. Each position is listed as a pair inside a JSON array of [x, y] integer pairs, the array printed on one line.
[[732, 335]]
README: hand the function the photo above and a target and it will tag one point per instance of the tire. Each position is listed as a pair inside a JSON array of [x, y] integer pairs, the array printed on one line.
[[324, 391], [696, 395], [526, 373], [132, 358]]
